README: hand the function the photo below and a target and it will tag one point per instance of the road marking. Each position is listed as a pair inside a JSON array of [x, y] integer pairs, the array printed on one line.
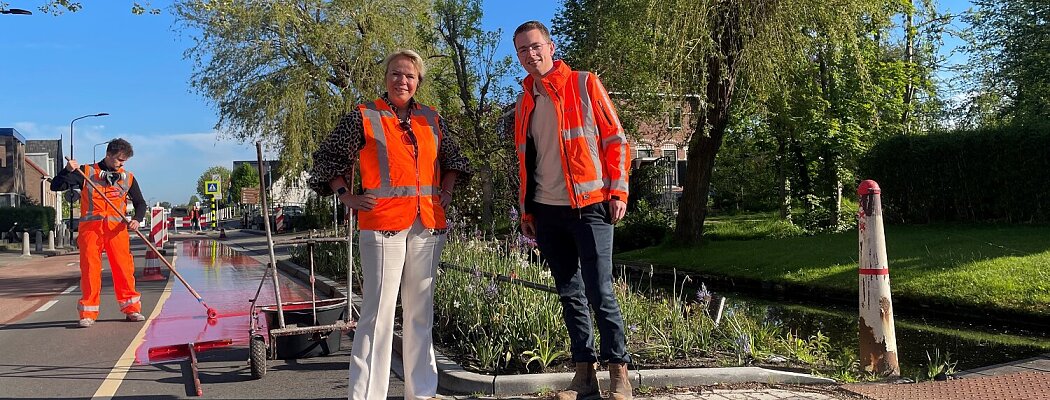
[[120, 370], [69, 290], [46, 306]]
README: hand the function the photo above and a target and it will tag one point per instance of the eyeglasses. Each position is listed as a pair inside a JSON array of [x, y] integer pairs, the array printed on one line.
[[532, 48], [407, 137]]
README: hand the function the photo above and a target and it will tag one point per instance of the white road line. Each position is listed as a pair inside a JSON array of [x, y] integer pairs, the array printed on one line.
[[69, 290], [46, 306], [120, 370]]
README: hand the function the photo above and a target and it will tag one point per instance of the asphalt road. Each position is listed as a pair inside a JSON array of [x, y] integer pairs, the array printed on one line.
[[43, 354]]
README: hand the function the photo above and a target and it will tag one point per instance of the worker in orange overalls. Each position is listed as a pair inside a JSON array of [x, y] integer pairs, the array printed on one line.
[[103, 228]]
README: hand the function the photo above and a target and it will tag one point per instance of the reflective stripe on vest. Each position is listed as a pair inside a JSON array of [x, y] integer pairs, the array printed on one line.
[[93, 207]]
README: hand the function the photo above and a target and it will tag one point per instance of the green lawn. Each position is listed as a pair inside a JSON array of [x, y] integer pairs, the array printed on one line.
[[988, 266]]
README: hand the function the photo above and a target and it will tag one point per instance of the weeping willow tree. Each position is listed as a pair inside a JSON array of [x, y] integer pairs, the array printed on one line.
[[714, 53], [283, 72]]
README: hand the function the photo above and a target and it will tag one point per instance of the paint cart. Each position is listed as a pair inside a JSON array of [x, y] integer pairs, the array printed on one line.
[[296, 329]]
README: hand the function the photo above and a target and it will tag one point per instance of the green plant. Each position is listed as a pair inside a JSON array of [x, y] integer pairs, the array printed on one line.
[[545, 353], [644, 227], [938, 367]]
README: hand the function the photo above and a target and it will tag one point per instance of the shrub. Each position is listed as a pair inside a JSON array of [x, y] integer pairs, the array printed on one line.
[[27, 217], [646, 226], [995, 174]]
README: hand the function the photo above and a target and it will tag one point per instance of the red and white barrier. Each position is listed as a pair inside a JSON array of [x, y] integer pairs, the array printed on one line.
[[151, 271], [156, 226], [279, 220]]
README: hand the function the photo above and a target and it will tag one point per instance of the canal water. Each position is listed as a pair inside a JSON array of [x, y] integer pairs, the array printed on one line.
[[972, 344]]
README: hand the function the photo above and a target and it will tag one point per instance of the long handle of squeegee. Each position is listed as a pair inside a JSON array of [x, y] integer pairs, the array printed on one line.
[[212, 314]]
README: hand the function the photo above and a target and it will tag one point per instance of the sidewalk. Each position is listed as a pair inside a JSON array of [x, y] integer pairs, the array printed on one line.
[[26, 283]]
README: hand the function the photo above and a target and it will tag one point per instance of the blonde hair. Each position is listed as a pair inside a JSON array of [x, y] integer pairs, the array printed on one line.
[[412, 56]]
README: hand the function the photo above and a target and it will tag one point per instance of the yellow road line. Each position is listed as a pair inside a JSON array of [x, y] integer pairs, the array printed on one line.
[[116, 375]]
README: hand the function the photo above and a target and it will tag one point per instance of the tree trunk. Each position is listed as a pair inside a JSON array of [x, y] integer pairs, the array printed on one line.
[[909, 68], [487, 195], [721, 69], [784, 184]]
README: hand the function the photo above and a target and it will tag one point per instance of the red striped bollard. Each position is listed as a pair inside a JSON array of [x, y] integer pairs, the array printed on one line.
[[156, 226], [279, 225], [167, 224], [878, 340]]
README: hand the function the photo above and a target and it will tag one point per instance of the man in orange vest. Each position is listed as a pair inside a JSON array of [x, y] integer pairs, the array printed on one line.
[[103, 228], [572, 166]]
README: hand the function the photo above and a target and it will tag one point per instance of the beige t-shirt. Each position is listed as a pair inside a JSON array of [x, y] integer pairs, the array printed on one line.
[[543, 129]]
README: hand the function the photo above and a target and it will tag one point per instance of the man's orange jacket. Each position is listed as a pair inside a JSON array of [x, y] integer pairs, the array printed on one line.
[[595, 155]]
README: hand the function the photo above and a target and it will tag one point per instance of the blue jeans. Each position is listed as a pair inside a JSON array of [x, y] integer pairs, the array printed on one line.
[[577, 245]]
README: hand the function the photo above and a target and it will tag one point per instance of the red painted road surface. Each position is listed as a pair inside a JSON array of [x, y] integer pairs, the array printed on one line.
[[226, 281]]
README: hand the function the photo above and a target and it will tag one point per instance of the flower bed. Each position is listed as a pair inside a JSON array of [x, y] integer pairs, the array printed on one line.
[[491, 318]]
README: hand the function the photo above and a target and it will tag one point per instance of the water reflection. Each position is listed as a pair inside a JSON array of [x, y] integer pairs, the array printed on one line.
[[972, 345]]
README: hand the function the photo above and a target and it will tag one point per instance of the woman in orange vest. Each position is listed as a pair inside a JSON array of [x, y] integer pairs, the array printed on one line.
[[409, 168], [103, 228]]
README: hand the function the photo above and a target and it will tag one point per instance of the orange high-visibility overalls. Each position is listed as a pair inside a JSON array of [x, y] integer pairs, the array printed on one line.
[[102, 228]]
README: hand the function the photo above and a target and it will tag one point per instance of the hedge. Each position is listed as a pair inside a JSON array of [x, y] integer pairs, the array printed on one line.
[[28, 217], [988, 175]]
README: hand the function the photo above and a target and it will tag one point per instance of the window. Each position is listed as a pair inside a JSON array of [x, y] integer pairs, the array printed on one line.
[[672, 153], [3, 156], [645, 152], [674, 119]]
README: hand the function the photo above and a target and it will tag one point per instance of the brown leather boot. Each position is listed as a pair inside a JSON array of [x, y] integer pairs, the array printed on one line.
[[584, 385], [619, 382]]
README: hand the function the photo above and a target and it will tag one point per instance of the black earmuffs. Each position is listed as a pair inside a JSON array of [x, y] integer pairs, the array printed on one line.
[[111, 176]]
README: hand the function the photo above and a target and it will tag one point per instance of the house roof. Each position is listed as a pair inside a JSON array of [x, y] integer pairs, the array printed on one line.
[[53, 148]]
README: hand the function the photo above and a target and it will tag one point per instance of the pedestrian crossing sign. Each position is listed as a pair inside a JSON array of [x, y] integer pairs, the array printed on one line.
[[211, 187]]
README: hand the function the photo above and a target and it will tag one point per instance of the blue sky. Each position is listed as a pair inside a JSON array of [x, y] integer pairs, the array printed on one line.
[[104, 59]]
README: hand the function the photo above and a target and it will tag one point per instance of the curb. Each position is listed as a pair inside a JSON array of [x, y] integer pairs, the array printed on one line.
[[455, 379]]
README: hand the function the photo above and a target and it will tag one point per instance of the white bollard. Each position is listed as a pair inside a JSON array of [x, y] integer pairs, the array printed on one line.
[[50, 240], [878, 338], [25, 243]]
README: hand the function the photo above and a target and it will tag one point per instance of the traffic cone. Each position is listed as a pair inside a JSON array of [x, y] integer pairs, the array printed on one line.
[[151, 272], [222, 233]]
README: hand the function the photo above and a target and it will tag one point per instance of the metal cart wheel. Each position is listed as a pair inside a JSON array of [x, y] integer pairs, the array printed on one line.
[[257, 356]]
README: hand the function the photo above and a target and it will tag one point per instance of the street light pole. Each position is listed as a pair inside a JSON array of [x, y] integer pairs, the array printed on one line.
[[71, 192], [95, 147], [16, 11]]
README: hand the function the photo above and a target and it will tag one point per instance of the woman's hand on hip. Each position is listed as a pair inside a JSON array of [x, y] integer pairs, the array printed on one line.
[[363, 202]]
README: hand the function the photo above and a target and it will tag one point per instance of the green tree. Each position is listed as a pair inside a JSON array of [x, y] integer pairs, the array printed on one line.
[[243, 177], [284, 71], [209, 175], [1010, 55], [470, 97], [193, 200], [651, 49]]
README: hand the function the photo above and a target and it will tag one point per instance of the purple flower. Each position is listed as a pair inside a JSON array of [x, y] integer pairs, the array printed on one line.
[[477, 273], [743, 344], [492, 290], [633, 327], [513, 214], [703, 295]]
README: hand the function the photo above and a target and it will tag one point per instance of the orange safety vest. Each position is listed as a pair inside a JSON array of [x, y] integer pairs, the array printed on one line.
[[93, 207], [404, 178], [594, 152]]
